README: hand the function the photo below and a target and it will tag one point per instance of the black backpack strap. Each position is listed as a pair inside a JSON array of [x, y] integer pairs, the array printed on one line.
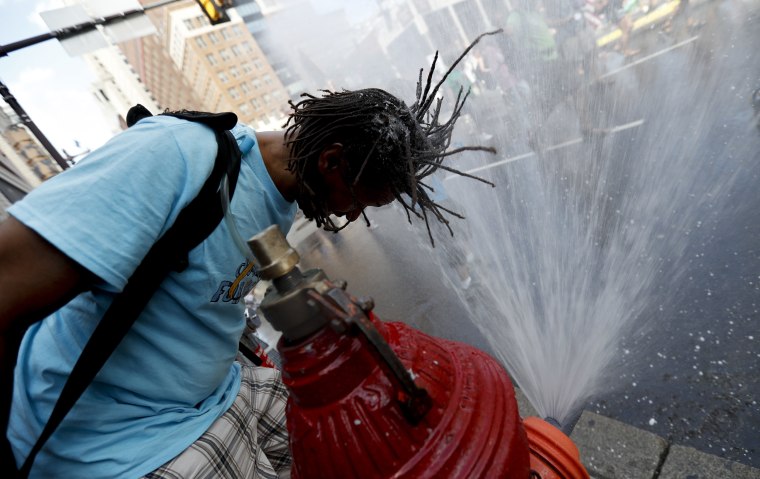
[[137, 113], [194, 223], [207, 205]]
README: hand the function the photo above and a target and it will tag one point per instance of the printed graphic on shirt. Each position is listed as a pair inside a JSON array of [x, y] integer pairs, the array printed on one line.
[[247, 276]]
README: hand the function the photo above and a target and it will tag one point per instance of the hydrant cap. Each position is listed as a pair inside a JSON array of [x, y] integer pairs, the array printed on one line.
[[553, 455], [275, 255]]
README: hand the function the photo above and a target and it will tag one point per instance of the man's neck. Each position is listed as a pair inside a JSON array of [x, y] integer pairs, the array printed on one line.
[[276, 155]]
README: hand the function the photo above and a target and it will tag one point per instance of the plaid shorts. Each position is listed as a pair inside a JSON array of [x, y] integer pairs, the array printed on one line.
[[250, 440]]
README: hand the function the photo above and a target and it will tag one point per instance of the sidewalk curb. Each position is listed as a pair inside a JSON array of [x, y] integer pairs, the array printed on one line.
[[611, 449]]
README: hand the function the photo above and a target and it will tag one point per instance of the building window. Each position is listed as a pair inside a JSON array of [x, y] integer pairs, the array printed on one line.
[[267, 98], [236, 30], [222, 77], [235, 50], [256, 104], [200, 42], [233, 92], [211, 59], [188, 23], [267, 80], [226, 33], [247, 9], [234, 72], [213, 37], [246, 89], [256, 83], [245, 108], [247, 47], [258, 64], [246, 67], [225, 54]]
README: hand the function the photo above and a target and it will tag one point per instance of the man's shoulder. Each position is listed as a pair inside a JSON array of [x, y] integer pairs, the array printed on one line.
[[167, 122], [167, 131]]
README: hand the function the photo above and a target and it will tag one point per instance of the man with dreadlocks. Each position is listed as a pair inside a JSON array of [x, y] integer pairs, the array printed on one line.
[[378, 148], [172, 401]]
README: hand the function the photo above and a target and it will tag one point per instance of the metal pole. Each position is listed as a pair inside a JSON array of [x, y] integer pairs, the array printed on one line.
[[73, 30], [11, 47], [11, 100]]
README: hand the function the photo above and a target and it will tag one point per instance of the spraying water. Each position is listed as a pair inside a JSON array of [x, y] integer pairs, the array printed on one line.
[[592, 216]]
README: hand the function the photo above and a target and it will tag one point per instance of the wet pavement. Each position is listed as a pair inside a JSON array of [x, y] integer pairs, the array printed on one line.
[[691, 377], [699, 380]]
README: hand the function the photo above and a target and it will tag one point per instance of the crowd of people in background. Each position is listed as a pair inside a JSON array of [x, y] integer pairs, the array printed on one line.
[[551, 52]]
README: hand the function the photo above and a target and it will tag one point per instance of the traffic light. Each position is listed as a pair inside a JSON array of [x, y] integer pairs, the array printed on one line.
[[214, 10]]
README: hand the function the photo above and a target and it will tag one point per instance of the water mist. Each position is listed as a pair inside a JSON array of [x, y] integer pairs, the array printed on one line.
[[568, 250]]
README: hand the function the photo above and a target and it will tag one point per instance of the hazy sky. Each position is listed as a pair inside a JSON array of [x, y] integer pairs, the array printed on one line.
[[355, 9]]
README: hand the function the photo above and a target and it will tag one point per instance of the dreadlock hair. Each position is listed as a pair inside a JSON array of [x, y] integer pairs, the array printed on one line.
[[387, 143]]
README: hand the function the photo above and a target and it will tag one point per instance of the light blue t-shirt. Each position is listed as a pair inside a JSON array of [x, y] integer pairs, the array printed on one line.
[[174, 372]]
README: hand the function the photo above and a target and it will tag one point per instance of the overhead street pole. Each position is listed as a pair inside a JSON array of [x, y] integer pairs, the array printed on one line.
[[14, 104], [63, 33]]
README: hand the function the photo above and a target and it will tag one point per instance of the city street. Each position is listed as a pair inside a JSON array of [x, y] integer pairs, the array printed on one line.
[[577, 186], [674, 214]]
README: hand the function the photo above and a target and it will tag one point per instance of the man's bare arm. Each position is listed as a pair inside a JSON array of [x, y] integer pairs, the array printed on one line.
[[35, 278]]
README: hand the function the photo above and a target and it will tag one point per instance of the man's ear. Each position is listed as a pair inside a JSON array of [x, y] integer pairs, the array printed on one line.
[[331, 159]]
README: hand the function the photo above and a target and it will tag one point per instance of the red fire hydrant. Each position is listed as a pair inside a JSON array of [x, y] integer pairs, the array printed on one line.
[[383, 400]]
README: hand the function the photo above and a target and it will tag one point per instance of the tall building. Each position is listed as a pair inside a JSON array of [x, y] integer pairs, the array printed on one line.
[[12, 187], [191, 64], [23, 161], [118, 87], [149, 57], [27, 156]]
